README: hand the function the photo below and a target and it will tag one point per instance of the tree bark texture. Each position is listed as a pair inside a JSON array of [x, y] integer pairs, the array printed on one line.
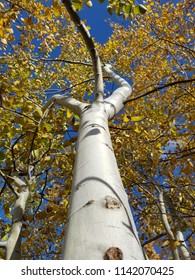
[[100, 224]]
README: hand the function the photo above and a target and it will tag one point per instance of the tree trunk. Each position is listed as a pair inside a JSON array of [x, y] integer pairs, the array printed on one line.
[[100, 224]]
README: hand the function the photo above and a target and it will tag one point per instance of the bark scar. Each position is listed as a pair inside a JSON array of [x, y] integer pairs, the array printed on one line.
[[112, 203]]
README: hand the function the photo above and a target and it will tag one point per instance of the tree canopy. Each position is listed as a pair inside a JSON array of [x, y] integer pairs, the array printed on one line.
[[153, 137]]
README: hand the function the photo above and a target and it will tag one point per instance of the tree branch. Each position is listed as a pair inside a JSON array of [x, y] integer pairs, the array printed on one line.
[[14, 240], [159, 88], [75, 85], [185, 255], [8, 184], [166, 223], [99, 85], [71, 103], [62, 60], [115, 102], [153, 239]]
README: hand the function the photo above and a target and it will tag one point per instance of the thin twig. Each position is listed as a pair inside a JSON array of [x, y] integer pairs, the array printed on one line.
[[8, 184], [62, 60], [159, 88], [154, 238]]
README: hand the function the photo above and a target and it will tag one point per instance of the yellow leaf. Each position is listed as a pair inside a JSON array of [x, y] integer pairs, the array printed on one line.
[[158, 145], [48, 13], [165, 243], [173, 130], [125, 119], [38, 112], [28, 21], [8, 215], [8, 228], [174, 244], [57, 12], [7, 210], [77, 4], [47, 127], [69, 113], [36, 153], [45, 135], [47, 158], [16, 83], [137, 118], [2, 33], [54, 29], [177, 243], [5, 237], [10, 30], [137, 129]]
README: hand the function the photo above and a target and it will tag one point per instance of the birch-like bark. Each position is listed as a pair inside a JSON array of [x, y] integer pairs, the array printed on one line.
[[115, 102], [166, 223], [14, 241], [183, 251], [71, 103], [100, 224], [13, 244]]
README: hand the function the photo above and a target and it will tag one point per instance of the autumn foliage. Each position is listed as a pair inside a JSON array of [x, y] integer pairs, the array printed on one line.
[[41, 54]]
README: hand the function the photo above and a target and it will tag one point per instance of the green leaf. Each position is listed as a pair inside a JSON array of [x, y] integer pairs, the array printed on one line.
[[38, 112], [77, 4], [36, 153], [136, 10], [139, 9], [127, 9]]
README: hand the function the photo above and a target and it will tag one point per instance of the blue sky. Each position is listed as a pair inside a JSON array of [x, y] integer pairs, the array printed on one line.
[[97, 18]]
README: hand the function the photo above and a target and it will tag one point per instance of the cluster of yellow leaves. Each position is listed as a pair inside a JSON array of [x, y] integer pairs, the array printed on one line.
[[27, 136], [152, 137]]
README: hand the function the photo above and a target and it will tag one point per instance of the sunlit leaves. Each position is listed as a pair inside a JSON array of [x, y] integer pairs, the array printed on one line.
[[77, 4], [153, 49], [7, 210], [89, 4], [137, 118], [152, 137], [125, 119], [125, 8]]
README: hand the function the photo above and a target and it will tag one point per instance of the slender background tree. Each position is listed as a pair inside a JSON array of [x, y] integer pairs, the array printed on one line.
[[43, 54]]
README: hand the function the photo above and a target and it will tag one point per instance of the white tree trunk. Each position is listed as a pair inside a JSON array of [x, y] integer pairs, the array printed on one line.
[[100, 225], [13, 244]]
